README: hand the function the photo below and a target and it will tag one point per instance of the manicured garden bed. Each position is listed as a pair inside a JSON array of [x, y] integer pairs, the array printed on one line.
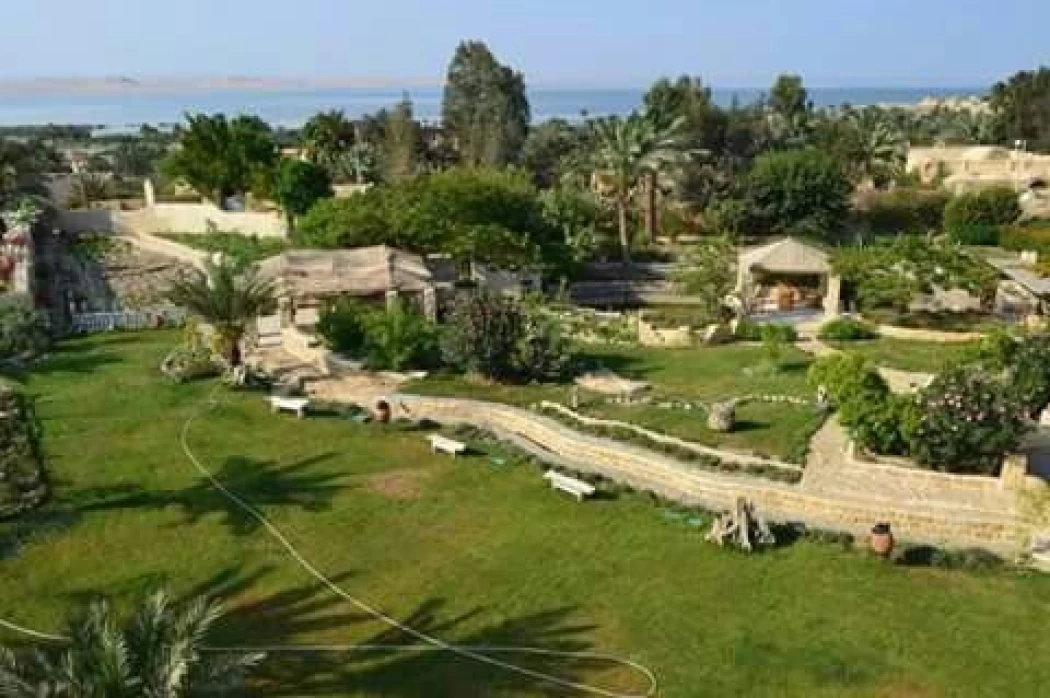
[[472, 550]]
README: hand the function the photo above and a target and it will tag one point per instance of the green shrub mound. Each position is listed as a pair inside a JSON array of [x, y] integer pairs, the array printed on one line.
[[846, 330], [976, 218], [23, 482], [750, 331], [391, 339]]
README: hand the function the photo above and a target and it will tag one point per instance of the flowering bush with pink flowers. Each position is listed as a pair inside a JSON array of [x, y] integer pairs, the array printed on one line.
[[966, 422]]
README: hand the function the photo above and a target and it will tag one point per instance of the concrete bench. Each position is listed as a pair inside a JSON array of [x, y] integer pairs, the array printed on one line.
[[289, 404], [577, 488], [442, 444]]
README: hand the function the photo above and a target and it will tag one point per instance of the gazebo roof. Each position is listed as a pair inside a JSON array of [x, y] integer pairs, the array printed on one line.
[[787, 256], [363, 271]]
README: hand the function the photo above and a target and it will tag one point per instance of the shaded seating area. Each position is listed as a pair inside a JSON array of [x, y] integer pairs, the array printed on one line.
[[787, 276]]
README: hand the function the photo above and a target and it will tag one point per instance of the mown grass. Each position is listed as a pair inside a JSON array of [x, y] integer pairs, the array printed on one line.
[[472, 551], [904, 355]]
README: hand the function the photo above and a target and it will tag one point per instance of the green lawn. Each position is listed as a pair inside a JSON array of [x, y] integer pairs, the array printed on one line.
[[472, 552], [775, 430], [706, 374], [923, 357]]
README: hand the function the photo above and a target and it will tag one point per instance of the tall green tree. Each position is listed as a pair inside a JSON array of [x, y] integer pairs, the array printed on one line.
[[402, 143], [326, 138], [1021, 108], [226, 297], [628, 149], [21, 172], [158, 653], [221, 157], [796, 192], [553, 152], [299, 186], [791, 110], [485, 107]]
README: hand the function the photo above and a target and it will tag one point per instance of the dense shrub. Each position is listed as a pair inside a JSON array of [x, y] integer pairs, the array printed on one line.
[[22, 479], [979, 234], [341, 325], [502, 339], [188, 363], [903, 210], [23, 330], [876, 419], [966, 422], [400, 338], [971, 212], [846, 376], [750, 331], [387, 339], [846, 330], [489, 216], [1023, 365], [791, 192], [1031, 235]]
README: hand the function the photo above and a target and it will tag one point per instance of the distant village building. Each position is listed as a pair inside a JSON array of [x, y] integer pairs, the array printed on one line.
[[971, 168]]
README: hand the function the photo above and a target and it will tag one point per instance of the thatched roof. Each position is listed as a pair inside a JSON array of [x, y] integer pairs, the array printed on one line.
[[787, 256], [364, 271]]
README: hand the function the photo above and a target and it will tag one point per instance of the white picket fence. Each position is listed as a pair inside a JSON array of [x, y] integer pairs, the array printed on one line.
[[86, 323]]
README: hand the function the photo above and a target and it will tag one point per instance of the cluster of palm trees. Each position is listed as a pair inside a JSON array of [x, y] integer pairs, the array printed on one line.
[[161, 652]]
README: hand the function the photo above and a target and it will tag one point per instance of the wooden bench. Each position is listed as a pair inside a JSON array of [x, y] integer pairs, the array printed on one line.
[[577, 488], [289, 404], [442, 444]]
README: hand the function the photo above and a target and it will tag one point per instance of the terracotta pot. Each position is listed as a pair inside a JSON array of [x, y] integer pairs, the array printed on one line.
[[882, 540]]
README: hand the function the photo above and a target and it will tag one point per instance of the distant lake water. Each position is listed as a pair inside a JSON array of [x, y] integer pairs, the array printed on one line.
[[292, 107]]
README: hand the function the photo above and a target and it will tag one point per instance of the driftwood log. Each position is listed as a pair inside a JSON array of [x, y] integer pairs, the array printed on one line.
[[742, 528]]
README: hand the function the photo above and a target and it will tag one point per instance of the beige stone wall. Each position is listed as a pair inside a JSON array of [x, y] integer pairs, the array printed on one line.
[[936, 521], [920, 335], [173, 218]]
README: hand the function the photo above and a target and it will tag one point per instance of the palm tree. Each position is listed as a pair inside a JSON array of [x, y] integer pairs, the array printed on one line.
[[227, 299], [626, 150], [326, 137], [882, 148], [158, 654]]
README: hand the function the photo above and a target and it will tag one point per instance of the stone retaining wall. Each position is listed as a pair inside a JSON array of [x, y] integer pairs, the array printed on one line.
[[912, 334], [939, 523]]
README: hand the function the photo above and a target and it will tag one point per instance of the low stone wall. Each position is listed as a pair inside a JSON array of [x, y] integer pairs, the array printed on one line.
[[939, 523], [670, 338], [173, 218], [167, 248], [919, 335]]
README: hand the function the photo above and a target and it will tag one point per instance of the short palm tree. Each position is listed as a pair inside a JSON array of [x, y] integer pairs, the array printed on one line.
[[628, 150], [158, 654], [228, 298]]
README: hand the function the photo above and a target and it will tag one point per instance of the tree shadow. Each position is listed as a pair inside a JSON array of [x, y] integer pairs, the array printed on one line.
[[261, 483], [418, 672], [62, 362]]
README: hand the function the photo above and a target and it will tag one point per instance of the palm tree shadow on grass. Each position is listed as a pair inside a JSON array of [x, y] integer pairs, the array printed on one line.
[[415, 672], [261, 483]]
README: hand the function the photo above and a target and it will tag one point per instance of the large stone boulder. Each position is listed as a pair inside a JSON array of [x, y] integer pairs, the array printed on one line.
[[722, 416]]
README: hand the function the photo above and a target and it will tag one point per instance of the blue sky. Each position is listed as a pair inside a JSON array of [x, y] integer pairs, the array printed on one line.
[[731, 43]]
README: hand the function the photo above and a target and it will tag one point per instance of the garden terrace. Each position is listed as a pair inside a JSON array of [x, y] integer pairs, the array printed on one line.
[[452, 546]]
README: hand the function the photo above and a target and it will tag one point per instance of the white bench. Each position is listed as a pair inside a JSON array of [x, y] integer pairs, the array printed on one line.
[[577, 488], [439, 443], [289, 404]]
